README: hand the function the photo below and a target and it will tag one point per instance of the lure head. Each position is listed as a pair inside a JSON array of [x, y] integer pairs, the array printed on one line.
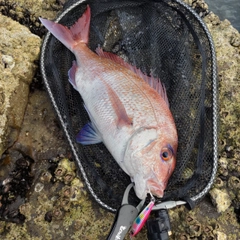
[[151, 159]]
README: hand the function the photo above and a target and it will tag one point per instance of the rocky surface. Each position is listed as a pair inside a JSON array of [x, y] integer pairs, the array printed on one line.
[[18, 51], [52, 202]]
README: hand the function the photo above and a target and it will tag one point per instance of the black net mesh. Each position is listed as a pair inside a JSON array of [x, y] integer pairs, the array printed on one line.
[[162, 38]]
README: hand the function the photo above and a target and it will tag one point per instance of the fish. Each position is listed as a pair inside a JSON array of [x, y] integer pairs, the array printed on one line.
[[129, 110]]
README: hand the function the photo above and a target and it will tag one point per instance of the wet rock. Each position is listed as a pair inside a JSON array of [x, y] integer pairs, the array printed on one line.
[[13, 190], [220, 199], [18, 51], [47, 140], [61, 209]]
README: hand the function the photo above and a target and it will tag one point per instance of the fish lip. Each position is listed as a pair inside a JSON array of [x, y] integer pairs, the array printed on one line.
[[156, 188]]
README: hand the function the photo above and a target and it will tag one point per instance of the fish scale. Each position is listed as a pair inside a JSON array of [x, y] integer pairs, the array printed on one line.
[[129, 90]]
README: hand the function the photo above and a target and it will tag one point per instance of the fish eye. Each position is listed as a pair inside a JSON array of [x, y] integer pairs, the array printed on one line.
[[166, 153]]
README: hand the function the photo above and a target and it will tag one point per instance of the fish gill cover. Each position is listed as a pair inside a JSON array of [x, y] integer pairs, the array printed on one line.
[[167, 40]]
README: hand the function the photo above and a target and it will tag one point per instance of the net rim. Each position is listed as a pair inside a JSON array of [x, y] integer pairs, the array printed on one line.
[[215, 105]]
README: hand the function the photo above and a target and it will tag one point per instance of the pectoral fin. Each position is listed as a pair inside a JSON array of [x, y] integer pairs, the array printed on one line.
[[117, 105], [88, 135]]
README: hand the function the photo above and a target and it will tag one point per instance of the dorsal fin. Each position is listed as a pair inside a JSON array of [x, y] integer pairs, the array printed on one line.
[[155, 83]]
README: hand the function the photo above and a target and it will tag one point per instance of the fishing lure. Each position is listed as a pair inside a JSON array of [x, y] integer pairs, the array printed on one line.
[[142, 218]]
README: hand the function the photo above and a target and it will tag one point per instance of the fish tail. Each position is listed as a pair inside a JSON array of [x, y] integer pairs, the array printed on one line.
[[70, 37]]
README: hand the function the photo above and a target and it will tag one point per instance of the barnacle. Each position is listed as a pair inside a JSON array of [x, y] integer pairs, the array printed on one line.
[[234, 183], [60, 172], [69, 176], [38, 187], [208, 237], [73, 193], [195, 230], [45, 177], [235, 40], [64, 203], [190, 219], [223, 162], [194, 227], [234, 186], [182, 236], [65, 171], [208, 229], [66, 191], [76, 189], [219, 183], [234, 165], [57, 213], [222, 169]]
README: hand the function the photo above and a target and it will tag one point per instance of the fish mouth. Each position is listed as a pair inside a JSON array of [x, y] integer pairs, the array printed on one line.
[[156, 188]]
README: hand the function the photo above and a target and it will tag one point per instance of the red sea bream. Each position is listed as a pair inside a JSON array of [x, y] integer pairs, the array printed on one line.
[[128, 115]]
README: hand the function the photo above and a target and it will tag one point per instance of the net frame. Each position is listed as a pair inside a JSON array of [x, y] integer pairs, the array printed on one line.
[[195, 195]]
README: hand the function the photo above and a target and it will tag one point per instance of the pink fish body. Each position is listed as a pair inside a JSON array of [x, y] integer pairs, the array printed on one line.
[[129, 116]]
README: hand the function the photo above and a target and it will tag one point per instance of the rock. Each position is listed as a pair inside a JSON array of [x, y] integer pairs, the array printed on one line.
[[80, 217], [220, 199], [18, 51], [226, 41], [27, 12], [221, 235], [235, 40]]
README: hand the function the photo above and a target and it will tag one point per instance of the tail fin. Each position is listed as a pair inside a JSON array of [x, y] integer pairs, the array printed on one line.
[[77, 33]]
